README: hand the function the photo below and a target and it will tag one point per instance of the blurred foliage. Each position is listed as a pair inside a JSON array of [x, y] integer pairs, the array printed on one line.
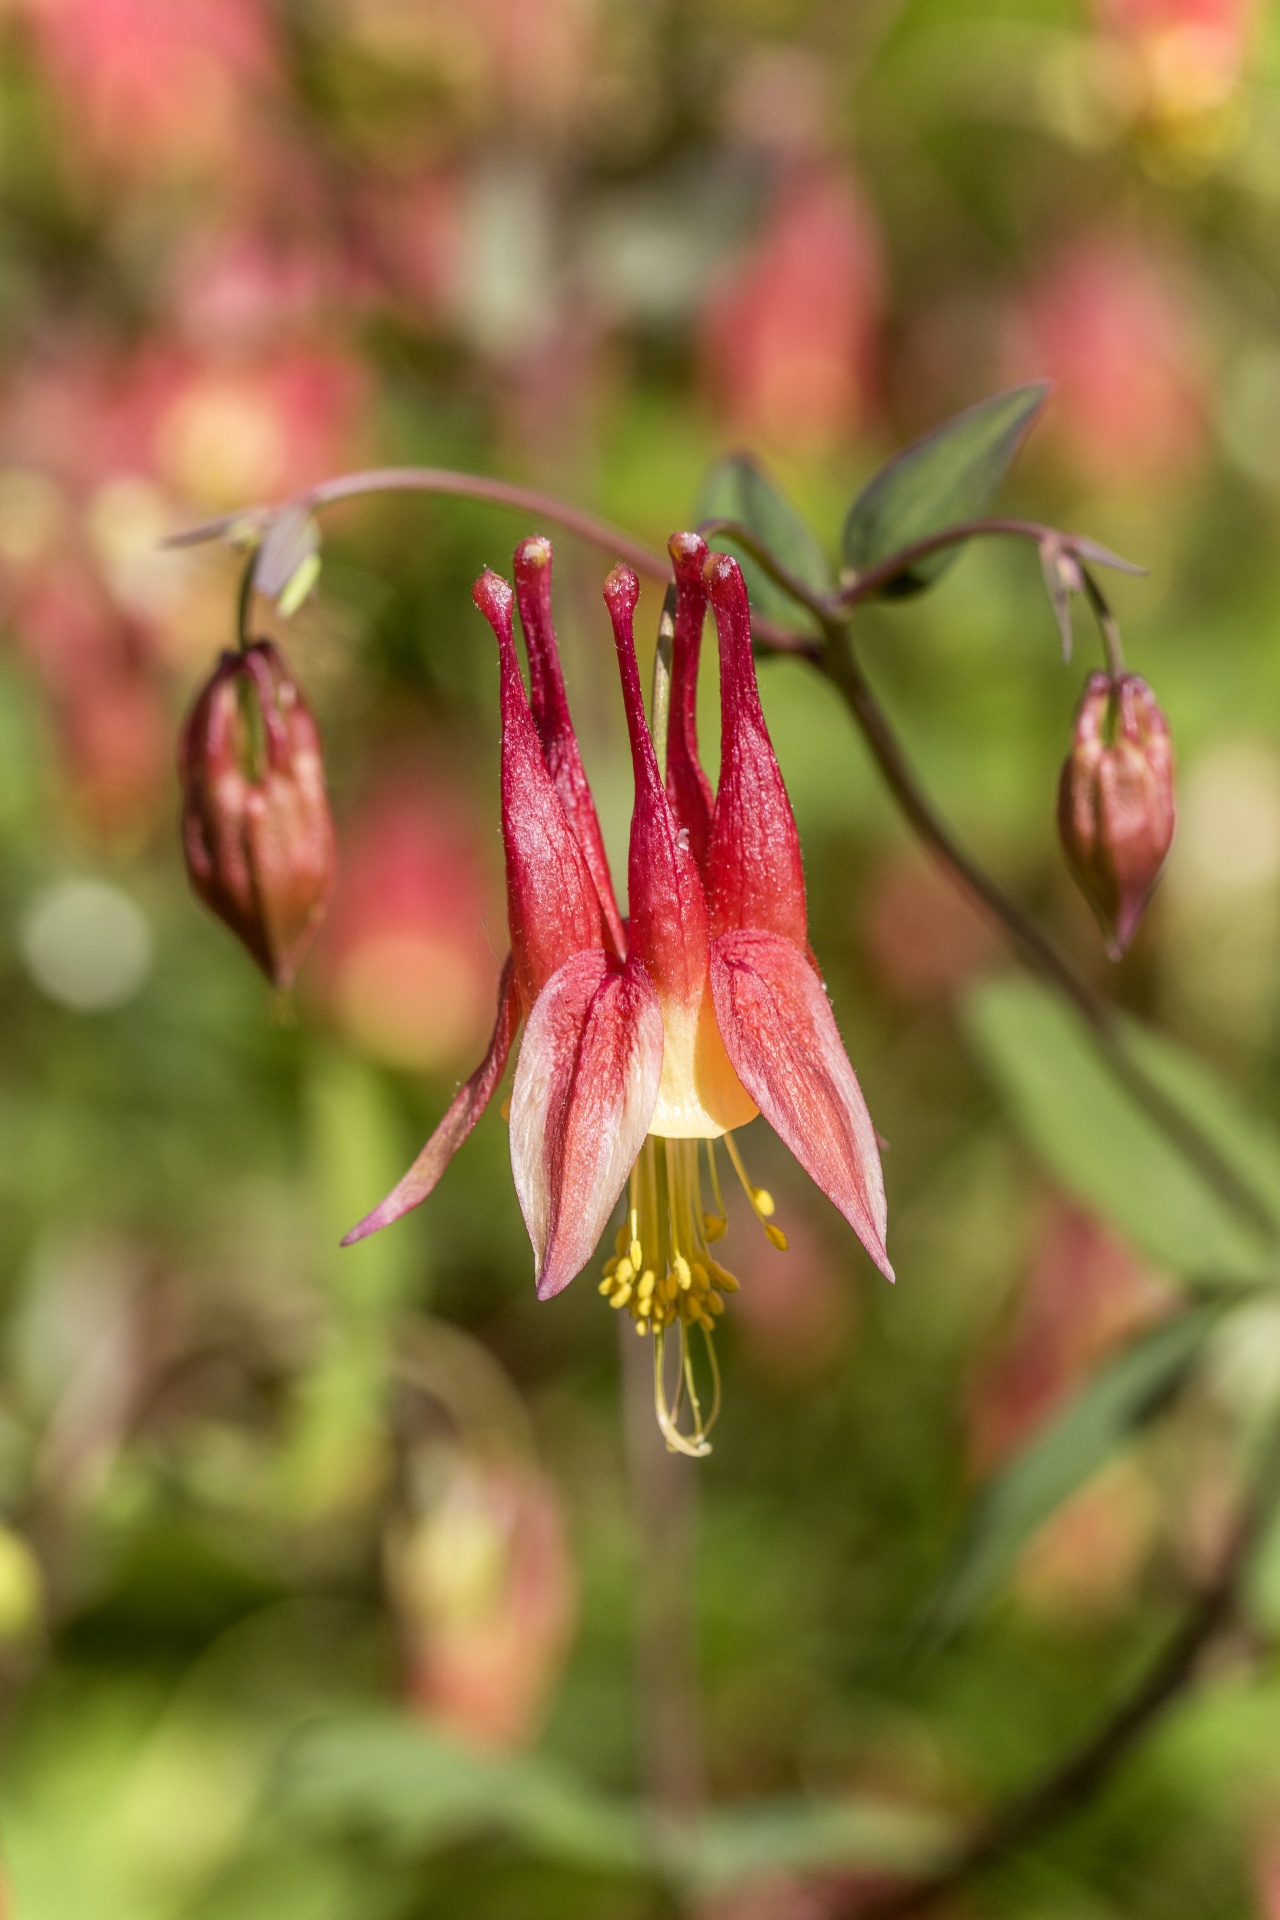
[[319, 1571]]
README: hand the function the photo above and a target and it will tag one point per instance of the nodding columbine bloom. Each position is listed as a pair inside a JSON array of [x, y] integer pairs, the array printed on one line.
[[648, 1040]]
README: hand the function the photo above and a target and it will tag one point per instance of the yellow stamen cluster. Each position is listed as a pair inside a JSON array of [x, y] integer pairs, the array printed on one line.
[[663, 1274]]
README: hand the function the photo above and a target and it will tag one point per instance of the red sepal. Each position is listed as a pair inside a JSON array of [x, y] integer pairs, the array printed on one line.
[[781, 1035], [688, 788], [667, 928], [585, 1090], [553, 909], [547, 698], [468, 1104], [755, 877]]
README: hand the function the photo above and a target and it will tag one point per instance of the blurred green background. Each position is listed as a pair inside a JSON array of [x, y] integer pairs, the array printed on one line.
[[337, 1584]]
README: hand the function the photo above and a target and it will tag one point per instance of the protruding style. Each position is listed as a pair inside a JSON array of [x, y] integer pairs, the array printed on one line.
[[256, 830], [1116, 809]]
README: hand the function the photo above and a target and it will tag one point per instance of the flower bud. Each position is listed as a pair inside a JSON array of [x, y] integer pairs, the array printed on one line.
[[256, 830], [1115, 801]]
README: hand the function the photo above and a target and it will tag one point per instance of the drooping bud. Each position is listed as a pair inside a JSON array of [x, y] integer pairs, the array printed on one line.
[[1115, 801], [256, 830]]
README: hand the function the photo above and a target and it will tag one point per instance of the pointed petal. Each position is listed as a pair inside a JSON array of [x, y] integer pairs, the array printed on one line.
[[553, 908], [585, 1089], [754, 873], [468, 1104], [551, 717], [781, 1035], [688, 788]]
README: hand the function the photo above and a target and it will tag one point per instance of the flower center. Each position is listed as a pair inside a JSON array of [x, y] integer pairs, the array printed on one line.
[[663, 1273]]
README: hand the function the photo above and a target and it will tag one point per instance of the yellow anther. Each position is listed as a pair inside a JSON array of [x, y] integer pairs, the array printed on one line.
[[607, 1285], [777, 1238], [680, 1267], [642, 1327], [714, 1227], [722, 1278], [714, 1303], [624, 1270], [622, 1296], [635, 1254], [762, 1201], [646, 1284]]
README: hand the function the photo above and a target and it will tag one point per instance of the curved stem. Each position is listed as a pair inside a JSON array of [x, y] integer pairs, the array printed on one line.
[[1033, 945], [817, 603], [877, 578], [469, 486], [1069, 1785], [244, 602], [1108, 626], [767, 634]]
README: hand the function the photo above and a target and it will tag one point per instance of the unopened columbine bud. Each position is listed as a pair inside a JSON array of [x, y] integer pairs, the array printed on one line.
[[256, 829], [1115, 801]]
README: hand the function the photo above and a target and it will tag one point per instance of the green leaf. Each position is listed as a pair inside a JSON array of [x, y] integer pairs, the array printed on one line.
[[741, 1843], [1063, 1456], [736, 488], [416, 1790], [951, 475], [1106, 1151]]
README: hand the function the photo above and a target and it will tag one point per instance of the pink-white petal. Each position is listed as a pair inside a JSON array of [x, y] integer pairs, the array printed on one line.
[[585, 1090], [468, 1104], [781, 1035]]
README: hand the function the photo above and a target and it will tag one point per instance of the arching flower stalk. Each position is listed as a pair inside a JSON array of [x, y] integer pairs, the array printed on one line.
[[646, 1039]]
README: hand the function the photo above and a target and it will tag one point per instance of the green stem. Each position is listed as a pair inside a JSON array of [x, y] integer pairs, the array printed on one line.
[[1108, 625], [244, 603], [1071, 1784]]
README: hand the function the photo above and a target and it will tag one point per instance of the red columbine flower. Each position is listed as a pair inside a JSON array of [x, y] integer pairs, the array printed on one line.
[[1116, 806], [706, 1007]]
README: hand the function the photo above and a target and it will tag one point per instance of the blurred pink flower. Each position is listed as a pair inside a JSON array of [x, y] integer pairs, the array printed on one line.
[[406, 970], [100, 455], [81, 414], [149, 84], [789, 335], [1189, 55], [1084, 1295], [244, 292], [419, 241], [1112, 323], [109, 713], [225, 430], [227, 435], [539, 57], [1086, 1560], [1266, 1871], [485, 1591], [786, 1896]]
